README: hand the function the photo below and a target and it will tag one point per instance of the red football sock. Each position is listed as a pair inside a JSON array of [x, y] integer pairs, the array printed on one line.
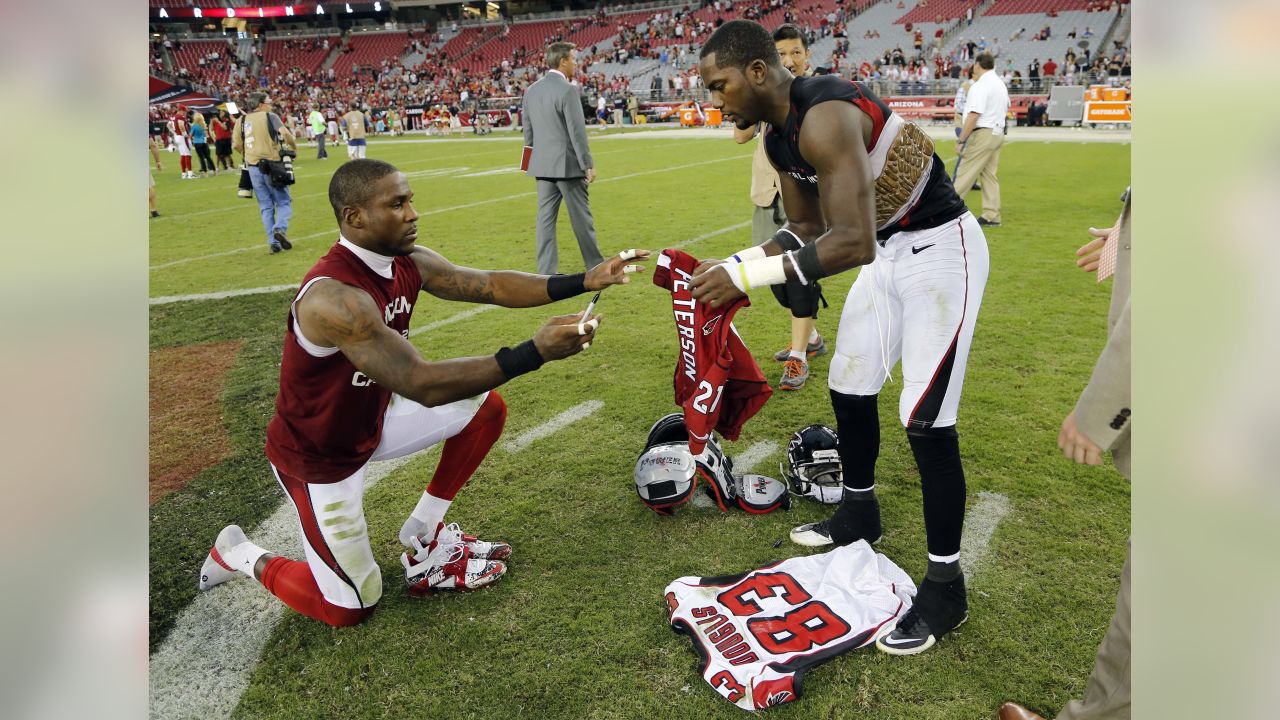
[[464, 452], [293, 583]]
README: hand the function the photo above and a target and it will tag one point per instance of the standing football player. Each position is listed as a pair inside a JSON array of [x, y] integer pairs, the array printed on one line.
[[353, 389], [864, 187]]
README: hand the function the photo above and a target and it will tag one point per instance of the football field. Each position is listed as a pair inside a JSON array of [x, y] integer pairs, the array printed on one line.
[[577, 628]]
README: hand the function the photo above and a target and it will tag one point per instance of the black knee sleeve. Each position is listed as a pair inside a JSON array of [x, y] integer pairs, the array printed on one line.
[[937, 454], [802, 300], [858, 425]]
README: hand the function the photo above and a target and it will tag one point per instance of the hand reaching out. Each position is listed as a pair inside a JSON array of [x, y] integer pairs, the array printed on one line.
[[1090, 252], [615, 270]]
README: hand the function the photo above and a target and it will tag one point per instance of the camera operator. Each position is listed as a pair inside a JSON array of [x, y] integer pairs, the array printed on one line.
[[258, 135]]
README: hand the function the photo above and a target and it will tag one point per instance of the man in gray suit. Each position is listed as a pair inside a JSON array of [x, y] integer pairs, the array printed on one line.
[[1101, 422], [561, 161]]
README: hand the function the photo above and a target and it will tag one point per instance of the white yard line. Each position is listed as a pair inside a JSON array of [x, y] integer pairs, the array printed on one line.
[[979, 526], [747, 461], [465, 314], [494, 171], [578, 412], [204, 665], [167, 299], [713, 233], [437, 171], [259, 246]]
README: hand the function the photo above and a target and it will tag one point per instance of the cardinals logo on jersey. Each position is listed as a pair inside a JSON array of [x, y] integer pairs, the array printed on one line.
[[710, 326]]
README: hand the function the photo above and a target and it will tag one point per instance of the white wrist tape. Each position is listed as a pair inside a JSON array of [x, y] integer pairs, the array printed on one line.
[[757, 272], [754, 252]]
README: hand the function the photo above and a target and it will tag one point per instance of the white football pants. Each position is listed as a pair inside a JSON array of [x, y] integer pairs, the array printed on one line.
[[918, 302], [331, 515]]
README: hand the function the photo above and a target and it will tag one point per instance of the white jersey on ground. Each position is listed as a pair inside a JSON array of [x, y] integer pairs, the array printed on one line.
[[757, 633]]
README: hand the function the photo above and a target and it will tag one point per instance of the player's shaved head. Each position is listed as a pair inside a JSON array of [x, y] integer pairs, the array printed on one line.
[[353, 183], [738, 43]]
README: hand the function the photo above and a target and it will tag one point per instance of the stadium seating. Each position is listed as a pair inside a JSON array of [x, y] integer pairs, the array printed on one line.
[[1023, 50], [1026, 7], [881, 18], [596, 34], [532, 37], [934, 9], [214, 73], [368, 49], [309, 61]]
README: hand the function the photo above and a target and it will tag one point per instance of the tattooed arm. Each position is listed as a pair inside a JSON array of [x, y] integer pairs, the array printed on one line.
[[508, 288], [333, 314]]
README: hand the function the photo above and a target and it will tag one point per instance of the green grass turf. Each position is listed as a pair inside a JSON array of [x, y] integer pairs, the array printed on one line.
[[577, 629]]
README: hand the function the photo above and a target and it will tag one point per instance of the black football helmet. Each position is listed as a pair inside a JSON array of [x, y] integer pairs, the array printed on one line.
[[813, 464]]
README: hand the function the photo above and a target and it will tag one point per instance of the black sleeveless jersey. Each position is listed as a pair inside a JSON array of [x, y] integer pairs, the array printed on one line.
[[933, 202]]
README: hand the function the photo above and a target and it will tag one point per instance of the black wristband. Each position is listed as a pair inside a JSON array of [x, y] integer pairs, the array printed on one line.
[[521, 359], [560, 287], [807, 257], [787, 240]]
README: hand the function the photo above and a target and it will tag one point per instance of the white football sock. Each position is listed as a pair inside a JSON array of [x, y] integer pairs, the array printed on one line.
[[243, 557], [798, 355], [814, 336], [425, 517]]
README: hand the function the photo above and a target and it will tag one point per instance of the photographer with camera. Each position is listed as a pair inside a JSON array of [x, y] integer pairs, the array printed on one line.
[[259, 135]]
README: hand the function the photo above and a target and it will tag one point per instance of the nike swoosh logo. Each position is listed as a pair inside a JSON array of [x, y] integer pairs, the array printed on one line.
[[891, 641], [917, 250]]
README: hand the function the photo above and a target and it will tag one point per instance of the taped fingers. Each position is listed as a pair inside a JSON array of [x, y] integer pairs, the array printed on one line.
[[589, 326]]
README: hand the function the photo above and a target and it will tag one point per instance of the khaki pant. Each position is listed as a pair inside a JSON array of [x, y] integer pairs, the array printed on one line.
[[980, 160], [1107, 694], [766, 221]]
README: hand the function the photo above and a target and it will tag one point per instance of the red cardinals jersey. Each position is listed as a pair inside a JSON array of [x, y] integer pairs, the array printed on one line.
[[328, 417], [717, 382], [759, 632]]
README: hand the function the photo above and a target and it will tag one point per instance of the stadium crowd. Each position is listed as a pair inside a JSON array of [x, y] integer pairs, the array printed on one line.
[[422, 75]]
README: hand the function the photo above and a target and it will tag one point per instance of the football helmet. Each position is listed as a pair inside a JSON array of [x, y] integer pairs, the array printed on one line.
[[666, 472], [813, 464]]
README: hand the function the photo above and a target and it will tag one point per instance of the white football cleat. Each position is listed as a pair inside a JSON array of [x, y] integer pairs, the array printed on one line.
[[439, 567], [479, 549], [216, 570]]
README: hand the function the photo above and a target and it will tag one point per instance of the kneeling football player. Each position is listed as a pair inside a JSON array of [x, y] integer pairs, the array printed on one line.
[[353, 389]]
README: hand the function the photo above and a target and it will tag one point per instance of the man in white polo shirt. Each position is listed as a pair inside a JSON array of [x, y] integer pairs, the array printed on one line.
[[982, 136]]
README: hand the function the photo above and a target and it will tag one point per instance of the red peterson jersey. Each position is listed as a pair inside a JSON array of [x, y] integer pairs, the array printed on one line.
[[717, 382], [328, 417]]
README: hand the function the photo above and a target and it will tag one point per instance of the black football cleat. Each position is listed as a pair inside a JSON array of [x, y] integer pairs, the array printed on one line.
[[939, 608]]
